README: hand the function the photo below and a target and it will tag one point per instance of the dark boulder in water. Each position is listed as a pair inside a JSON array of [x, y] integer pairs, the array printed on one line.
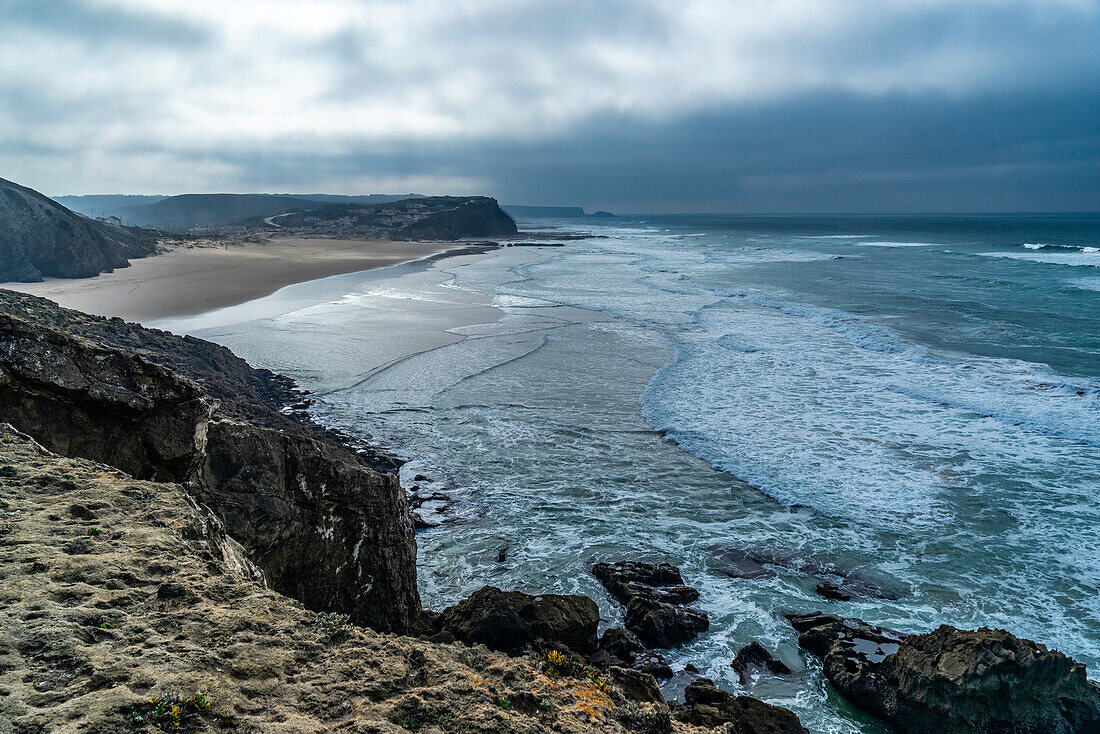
[[752, 562], [830, 590], [706, 705], [952, 681], [629, 580], [658, 624], [754, 657], [655, 595], [510, 621]]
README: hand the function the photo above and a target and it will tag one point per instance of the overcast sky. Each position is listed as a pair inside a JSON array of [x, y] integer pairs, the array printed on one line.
[[632, 105]]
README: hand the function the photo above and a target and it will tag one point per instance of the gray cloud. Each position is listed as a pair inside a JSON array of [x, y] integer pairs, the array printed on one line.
[[642, 106]]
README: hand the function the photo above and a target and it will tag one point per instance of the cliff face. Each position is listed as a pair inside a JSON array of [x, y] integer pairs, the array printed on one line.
[[325, 530], [40, 238], [323, 527], [475, 217]]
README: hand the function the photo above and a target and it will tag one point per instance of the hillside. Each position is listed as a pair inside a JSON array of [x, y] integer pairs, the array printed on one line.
[[180, 213], [438, 218], [105, 205], [187, 211], [40, 238]]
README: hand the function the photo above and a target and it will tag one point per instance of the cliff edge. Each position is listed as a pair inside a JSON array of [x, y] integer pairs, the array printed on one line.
[[322, 526]]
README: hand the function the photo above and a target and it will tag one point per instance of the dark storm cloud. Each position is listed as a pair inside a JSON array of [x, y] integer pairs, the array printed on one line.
[[827, 153], [837, 105]]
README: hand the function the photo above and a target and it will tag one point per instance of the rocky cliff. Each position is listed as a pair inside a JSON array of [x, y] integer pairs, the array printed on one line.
[[478, 216], [40, 238], [126, 607], [323, 527]]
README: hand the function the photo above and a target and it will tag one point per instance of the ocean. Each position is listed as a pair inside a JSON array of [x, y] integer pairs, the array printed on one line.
[[906, 406]]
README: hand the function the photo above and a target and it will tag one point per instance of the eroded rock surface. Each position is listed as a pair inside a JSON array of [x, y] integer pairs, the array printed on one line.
[[325, 530], [83, 400], [954, 681]]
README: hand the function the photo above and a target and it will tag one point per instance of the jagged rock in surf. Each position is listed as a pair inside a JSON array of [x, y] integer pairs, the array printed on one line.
[[952, 680]]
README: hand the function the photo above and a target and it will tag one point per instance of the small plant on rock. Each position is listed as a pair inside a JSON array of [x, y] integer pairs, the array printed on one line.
[[593, 675], [171, 713], [504, 703], [554, 663], [334, 626]]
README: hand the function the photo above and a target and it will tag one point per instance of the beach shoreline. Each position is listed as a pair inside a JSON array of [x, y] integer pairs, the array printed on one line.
[[185, 281]]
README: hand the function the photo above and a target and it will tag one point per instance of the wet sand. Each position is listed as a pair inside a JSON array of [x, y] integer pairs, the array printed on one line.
[[192, 280]]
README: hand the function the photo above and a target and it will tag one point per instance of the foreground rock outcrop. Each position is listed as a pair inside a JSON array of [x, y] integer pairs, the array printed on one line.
[[324, 528], [705, 705], [126, 607], [511, 621], [953, 681]]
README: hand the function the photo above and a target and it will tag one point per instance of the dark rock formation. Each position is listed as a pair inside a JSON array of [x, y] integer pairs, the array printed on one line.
[[639, 686], [623, 648], [40, 238], [654, 594], [510, 621], [629, 580], [81, 400], [322, 527], [658, 624], [754, 656], [953, 681], [830, 590], [706, 705], [325, 530], [477, 216]]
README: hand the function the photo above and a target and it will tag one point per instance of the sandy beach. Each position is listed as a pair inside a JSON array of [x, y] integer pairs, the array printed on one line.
[[191, 280]]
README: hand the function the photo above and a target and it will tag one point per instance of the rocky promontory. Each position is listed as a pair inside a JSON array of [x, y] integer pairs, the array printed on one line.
[[953, 681], [324, 528]]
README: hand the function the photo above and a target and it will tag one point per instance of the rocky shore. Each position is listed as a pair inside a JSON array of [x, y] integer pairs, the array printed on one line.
[[184, 549]]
